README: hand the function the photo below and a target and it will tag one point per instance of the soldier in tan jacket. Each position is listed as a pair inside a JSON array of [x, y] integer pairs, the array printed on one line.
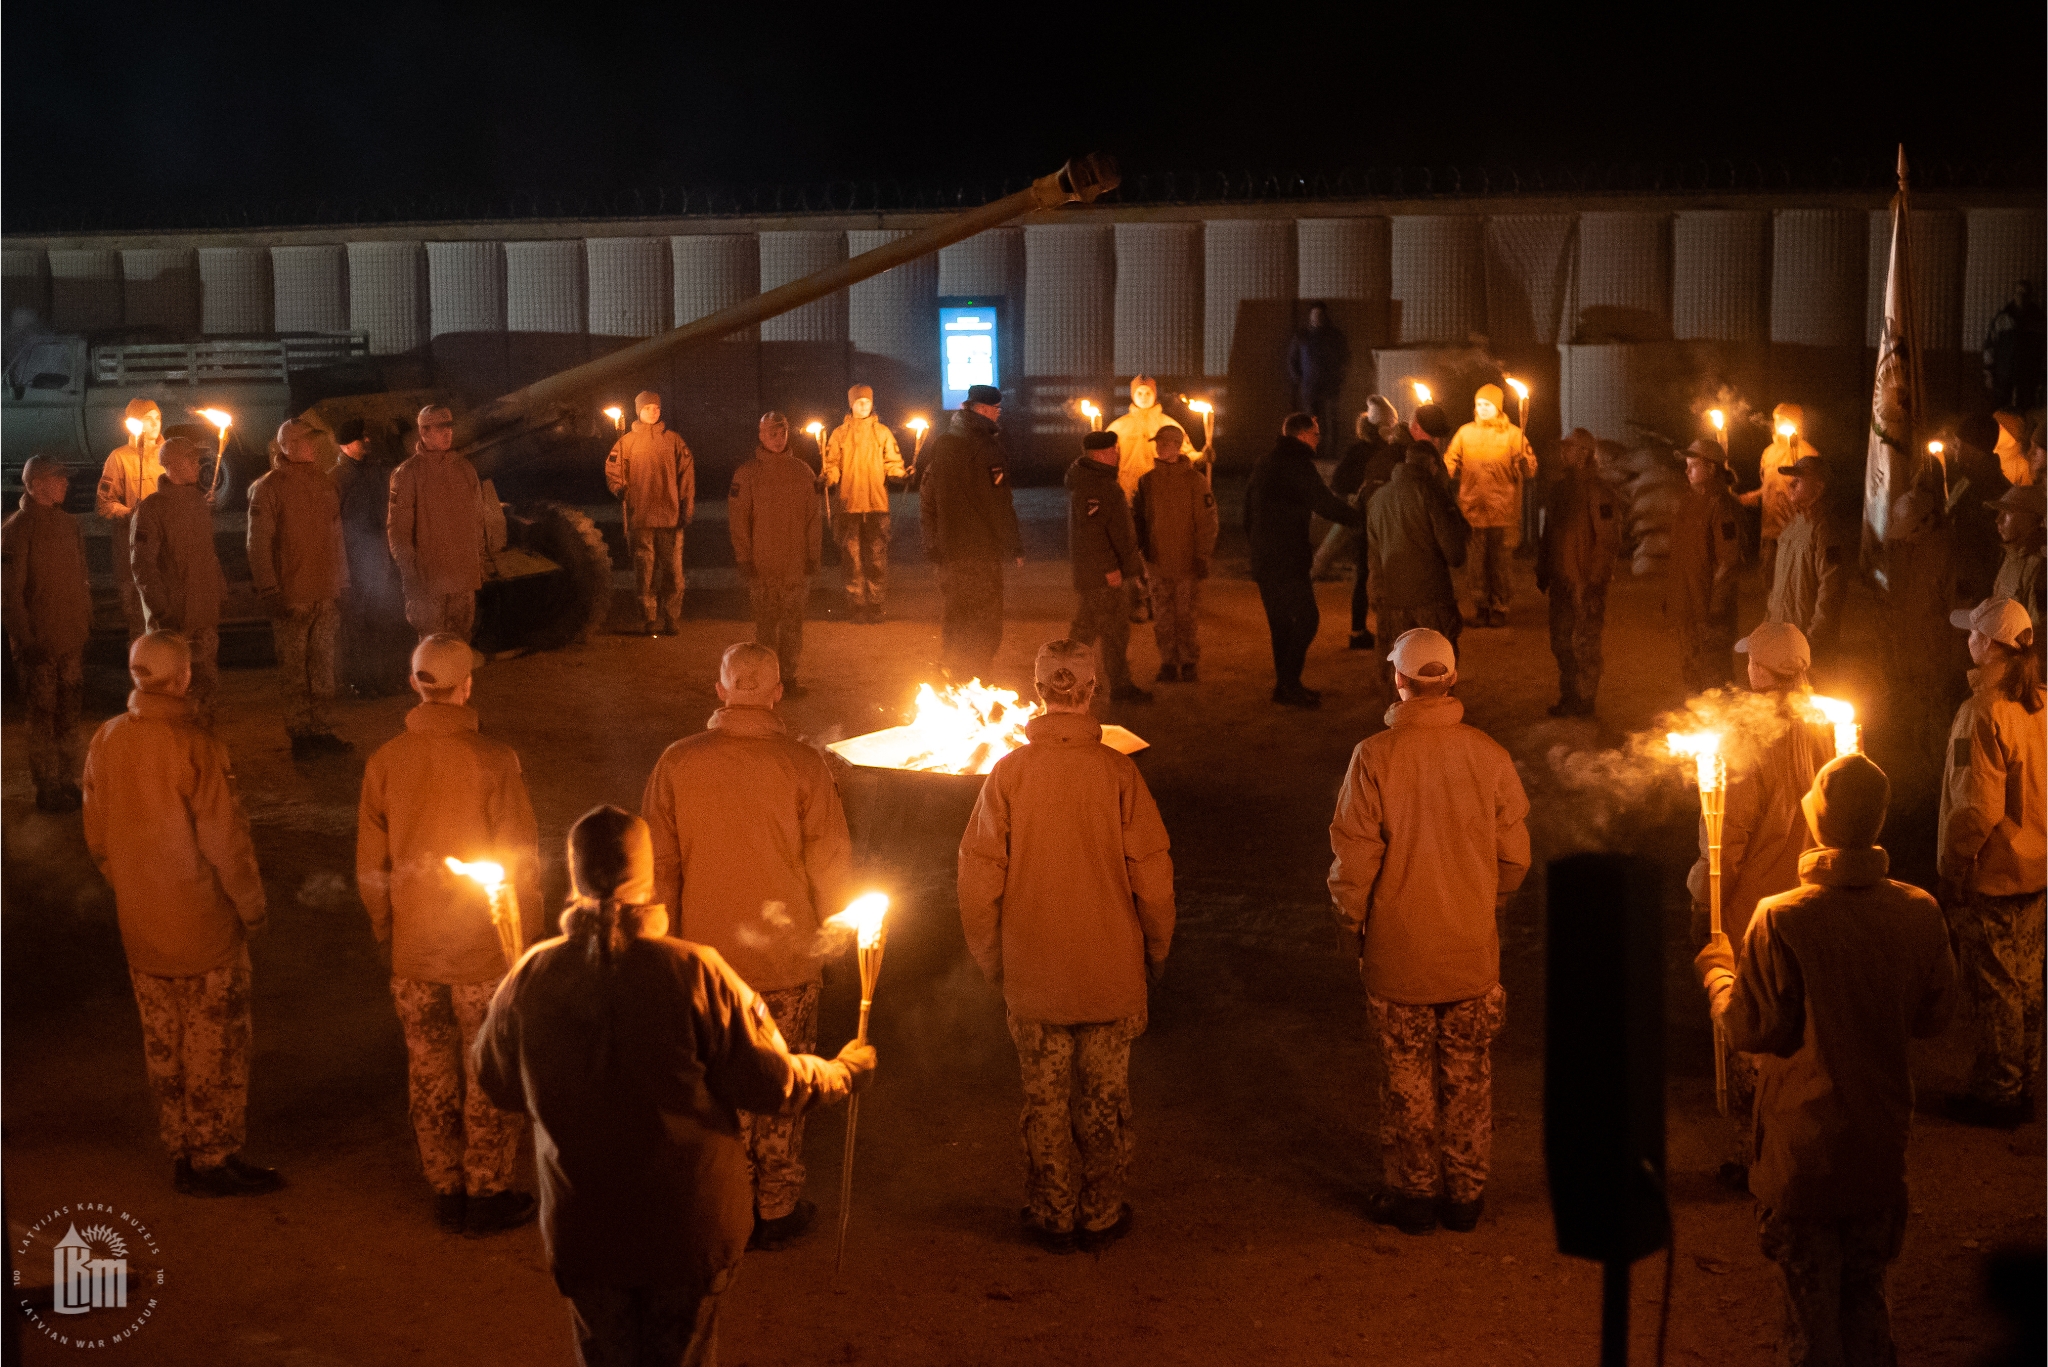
[[435, 524], [777, 540], [299, 563], [751, 853], [1810, 584], [651, 470], [129, 476], [860, 459], [165, 828], [177, 568], [1066, 898], [48, 618], [441, 792], [1175, 515]]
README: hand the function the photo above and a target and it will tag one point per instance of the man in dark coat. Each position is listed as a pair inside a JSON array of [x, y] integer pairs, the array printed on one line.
[[1102, 546], [1284, 490], [376, 655], [1580, 539], [1316, 361], [969, 528], [1414, 538]]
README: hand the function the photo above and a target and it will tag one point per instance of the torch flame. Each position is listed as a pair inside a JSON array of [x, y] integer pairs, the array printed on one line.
[[1200, 406], [1718, 418], [917, 424], [1704, 747], [615, 413], [814, 427], [1089, 410], [219, 417], [1521, 390], [863, 916], [1787, 431], [1842, 716], [1934, 448], [486, 875], [134, 426], [1422, 394]]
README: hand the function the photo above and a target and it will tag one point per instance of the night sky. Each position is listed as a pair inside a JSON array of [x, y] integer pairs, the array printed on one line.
[[361, 107]]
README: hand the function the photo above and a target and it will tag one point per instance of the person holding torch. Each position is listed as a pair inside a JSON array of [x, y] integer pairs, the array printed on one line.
[[299, 563], [1489, 458], [651, 471], [129, 476], [861, 458], [1774, 494], [442, 793], [639, 1057], [177, 567]]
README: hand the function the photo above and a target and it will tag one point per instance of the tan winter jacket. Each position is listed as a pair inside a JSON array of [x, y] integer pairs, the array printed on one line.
[[1837, 977], [128, 477], [1763, 830], [772, 512], [440, 791], [861, 456], [435, 524], [1706, 556], [1430, 832], [1489, 461], [1581, 533], [653, 469], [48, 603], [751, 851], [165, 828], [1812, 578], [1176, 519], [1066, 886], [295, 545], [1994, 793], [177, 569]]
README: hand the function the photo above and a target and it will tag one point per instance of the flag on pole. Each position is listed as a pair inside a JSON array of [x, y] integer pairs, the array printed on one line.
[[1898, 399]]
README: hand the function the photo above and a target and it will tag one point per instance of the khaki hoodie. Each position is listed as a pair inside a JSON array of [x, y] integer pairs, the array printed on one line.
[[1066, 885], [1135, 452], [1994, 829], [128, 477], [295, 543], [48, 602], [652, 467], [165, 828], [772, 513], [1176, 519], [177, 569], [1489, 460], [435, 524], [861, 457]]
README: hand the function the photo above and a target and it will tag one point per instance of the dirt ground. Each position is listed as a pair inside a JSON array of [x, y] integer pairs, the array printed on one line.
[[1254, 1088]]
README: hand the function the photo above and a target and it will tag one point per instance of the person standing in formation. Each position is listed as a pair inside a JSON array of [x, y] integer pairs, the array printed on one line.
[[1066, 900], [1367, 464], [1920, 650], [1102, 548], [1136, 430], [1429, 838], [377, 644], [1773, 495], [2023, 573], [1812, 574], [1175, 519], [300, 567], [1706, 560], [751, 853], [435, 525], [131, 474], [1318, 358], [777, 541], [969, 527], [1489, 458], [1414, 538], [1834, 980], [48, 618], [860, 459], [177, 568], [165, 828], [1994, 858], [1574, 564], [651, 471], [639, 1055], [436, 793], [1284, 490]]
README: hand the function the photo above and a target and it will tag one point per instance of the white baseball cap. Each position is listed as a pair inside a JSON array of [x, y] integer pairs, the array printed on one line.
[[1416, 651], [442, 661], [1999, 618], [1778, 646]]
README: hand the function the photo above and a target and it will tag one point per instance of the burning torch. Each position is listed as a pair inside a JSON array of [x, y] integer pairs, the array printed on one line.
[[134, 426], [1093, 414], [618, 417], [1788, 433], [865, 917], [1208, 412], [1712, 772], [504, 902], [918, 427], [1842, 716], [1422, 394], [1719, 420], [1521, 402], [222, 420]]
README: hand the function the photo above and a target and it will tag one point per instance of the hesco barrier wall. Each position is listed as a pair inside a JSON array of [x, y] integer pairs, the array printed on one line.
[[1631, 314]]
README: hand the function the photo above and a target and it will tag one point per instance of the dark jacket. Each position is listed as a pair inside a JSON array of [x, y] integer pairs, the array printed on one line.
[[1581, 533], [1706, 554], [1317, 359], [632, 1065], [1284, 490], [364, 487], [48, 604], [964, 505], [1100, 534], [177, 569], [1414, 538], [1366, 466]]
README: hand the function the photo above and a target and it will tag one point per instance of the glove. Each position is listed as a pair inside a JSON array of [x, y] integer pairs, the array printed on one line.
[[1155, 971], [860, 1062], [1718, 957]]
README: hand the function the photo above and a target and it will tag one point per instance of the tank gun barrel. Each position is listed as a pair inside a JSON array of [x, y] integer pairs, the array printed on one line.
[[539, 404]]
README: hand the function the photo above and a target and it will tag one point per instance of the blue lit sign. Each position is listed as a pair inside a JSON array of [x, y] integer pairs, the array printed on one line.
[[970, 347]]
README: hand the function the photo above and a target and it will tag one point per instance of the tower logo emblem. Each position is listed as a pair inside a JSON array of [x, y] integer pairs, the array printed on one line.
[[106, 1275]]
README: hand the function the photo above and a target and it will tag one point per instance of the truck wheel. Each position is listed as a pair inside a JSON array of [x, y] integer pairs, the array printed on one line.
[[566, 607]]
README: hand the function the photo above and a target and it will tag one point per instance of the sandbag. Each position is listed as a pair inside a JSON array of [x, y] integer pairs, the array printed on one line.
[[1656, 544], [1644, 461]]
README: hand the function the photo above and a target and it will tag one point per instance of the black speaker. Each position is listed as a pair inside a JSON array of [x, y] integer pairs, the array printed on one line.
[[1603, 1058]]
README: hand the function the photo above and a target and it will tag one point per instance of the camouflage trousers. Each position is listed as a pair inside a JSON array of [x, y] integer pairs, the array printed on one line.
[[1175, 606], [675, 1325], [775, 1143], [453, 614], [1833, 1273], [466, 1143], [1578, 615], [1742, 1079], [1488, 570], [657, 572], [195, 1044], [1706, 652], [1077, 1119], [971, 621], [778, 607], [56, 693], [304, 637], [1102, 619], [2000, 939], [1436, 1096], [864, 546]]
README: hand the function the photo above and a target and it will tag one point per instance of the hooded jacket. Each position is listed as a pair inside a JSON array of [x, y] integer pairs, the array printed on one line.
[[435, 524], [633, 1066], [442, 791], [750, 844], [1135, 453], [1489, 460], [1066, 883], [1706, 555], [1284, 490], [177, 569], [48, 602], [164, 826], [861, 457], [1414, 538], [295, 538], [964, 506], [654, 471], [1812, 578], [129, 476], [1994, 806], [772, 512], [1100, 534], [1175, 519], [1430, 832], [1581, 532], [1763, 831]]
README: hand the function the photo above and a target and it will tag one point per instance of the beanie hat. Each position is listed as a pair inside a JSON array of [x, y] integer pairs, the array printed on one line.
[[1488, 393], [1431, 418], [645, 397], [1098, 441], [1845, 808], [40, 465], [609, 849], [860, 391]]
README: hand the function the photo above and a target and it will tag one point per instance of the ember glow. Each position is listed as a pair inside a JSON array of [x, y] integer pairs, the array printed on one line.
[[917, 425], [1842, 716], [1934, 448], [486, 875], [1704, 749], [863, 916], [1092, 413], [617, 415], [220, 418]]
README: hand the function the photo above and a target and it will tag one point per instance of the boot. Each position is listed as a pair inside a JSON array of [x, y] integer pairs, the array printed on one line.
[[771, 1236], [1055, 1241], [498, 1212], [1461, 1217], [1095, 1240], [1409, 1214], [451, 1210]]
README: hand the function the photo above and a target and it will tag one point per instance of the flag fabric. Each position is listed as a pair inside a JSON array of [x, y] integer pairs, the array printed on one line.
[[1897, 400]]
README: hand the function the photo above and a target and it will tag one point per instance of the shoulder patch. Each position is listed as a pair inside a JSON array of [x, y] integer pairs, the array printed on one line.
[[995, 475], [1094, 507], [1960, 759]]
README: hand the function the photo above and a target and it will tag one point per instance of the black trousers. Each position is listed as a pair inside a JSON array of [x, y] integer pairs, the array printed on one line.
[[1359, 603], [1292, 618]]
